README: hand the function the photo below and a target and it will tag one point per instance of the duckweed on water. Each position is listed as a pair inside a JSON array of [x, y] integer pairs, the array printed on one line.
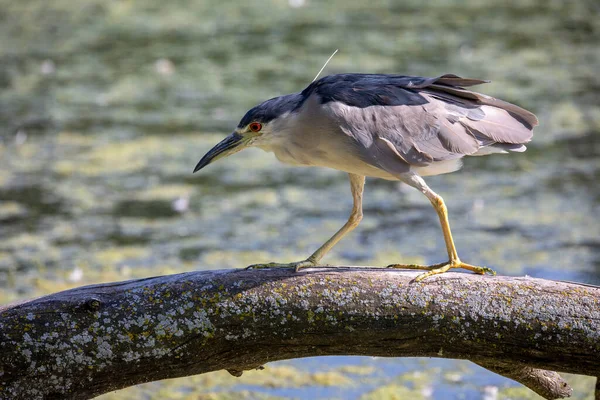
[[219, 384]]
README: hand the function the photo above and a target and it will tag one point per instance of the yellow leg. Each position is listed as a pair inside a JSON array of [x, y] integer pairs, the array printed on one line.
[[453, 259], [357, 184]]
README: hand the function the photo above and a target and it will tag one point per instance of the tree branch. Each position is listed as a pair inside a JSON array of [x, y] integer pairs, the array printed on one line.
[[94, 339]]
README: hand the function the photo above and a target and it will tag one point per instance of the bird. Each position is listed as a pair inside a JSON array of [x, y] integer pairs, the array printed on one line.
[[387, 126]]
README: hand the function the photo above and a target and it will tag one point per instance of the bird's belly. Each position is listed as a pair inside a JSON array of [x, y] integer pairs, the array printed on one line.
[[331, 158], [439, 167], [358, 168], [328, 159]]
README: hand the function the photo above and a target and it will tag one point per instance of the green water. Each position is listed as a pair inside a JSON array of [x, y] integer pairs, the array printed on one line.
[[106, 106]]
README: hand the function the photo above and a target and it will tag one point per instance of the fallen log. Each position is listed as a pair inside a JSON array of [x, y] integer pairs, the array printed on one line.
[[83, 342]]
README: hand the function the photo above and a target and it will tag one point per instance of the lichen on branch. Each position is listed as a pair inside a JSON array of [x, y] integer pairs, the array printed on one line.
[[90, 340]]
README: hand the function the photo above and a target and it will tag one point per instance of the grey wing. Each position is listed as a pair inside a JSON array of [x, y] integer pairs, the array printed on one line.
[[451, 123]]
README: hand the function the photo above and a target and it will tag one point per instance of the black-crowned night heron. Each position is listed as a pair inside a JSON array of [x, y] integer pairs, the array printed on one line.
[[386, 126]]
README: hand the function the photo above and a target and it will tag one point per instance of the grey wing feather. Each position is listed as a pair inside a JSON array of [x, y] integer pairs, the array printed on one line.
[[449, 123], [458, 94]]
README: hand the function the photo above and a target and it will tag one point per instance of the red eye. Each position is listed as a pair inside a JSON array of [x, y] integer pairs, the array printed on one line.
[[255, 126]]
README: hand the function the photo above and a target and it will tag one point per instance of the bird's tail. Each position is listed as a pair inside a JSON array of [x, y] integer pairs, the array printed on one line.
[[501, 127]]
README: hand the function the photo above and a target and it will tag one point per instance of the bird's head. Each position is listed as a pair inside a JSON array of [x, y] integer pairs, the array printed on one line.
[[256, 127]]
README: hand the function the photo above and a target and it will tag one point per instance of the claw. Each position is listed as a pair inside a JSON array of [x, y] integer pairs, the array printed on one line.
[[443, 267], [296, 265]]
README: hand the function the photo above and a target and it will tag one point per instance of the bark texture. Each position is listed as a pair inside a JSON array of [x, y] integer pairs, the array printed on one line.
[[94, 339]]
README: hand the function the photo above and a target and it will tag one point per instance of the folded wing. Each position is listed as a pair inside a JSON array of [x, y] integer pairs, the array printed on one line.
[[415, 121]]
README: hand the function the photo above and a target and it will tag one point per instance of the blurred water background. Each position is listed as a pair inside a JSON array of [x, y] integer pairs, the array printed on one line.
[[107, 105]]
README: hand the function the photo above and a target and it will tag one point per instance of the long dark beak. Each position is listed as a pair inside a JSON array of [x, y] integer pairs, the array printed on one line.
[[226, 147]]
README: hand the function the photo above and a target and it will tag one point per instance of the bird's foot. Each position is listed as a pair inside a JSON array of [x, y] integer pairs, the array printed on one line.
[[443, 267], [296, 265]]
